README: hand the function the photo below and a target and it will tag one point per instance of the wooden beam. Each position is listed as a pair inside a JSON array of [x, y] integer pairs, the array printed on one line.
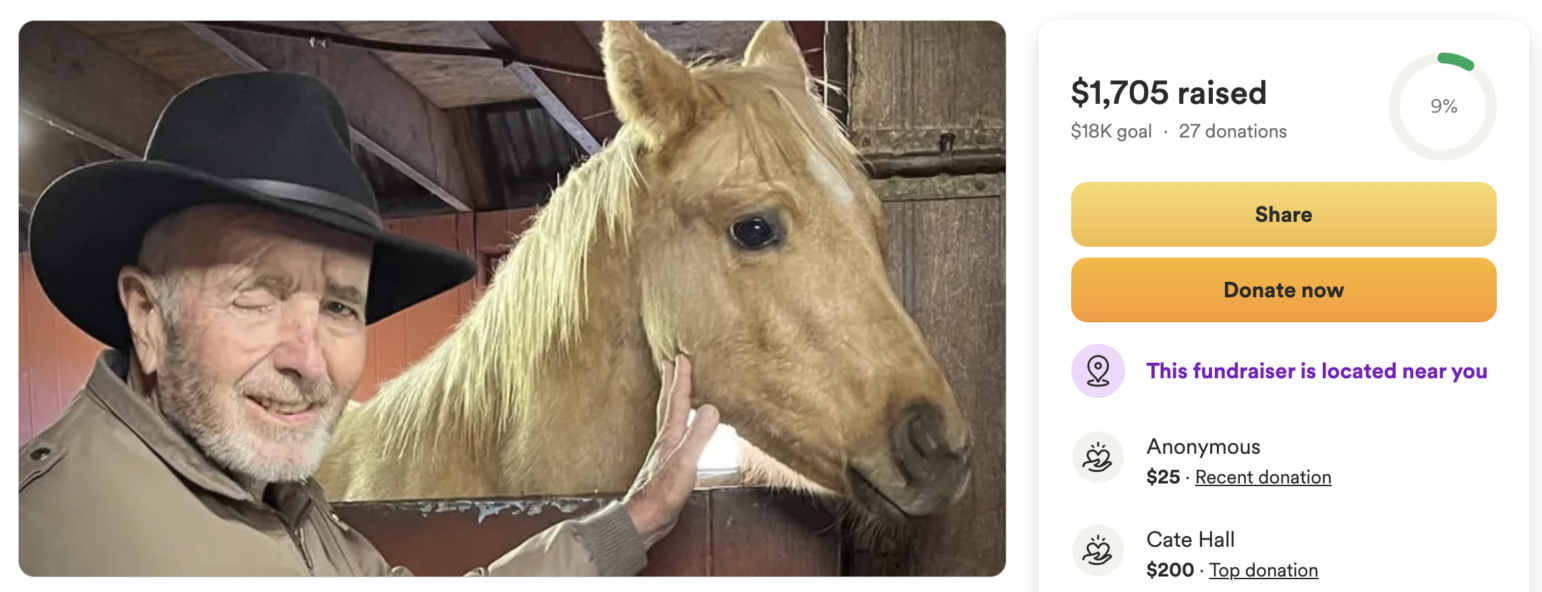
[[720, 532], [74, 83], [580, 104], [387, 115]]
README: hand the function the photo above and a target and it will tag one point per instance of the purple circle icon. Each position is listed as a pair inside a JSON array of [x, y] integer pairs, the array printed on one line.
[[1097, 371]]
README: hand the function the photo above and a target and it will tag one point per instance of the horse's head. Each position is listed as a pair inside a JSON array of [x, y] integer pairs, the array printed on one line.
[[760, 248]]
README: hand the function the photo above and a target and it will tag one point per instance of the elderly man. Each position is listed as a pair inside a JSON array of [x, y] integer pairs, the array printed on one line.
[[233, 273]]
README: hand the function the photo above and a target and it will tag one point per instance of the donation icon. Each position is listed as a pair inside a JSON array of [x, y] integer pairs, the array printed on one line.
[[1097, 550], [1098, 371], [1097, 457], [1097, 366]]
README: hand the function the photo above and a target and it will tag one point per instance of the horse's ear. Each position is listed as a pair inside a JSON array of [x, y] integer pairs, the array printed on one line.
[[774, 47], [649, 87]]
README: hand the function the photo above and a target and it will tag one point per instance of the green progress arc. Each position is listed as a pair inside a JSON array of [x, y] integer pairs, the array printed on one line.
[[1455, 60]]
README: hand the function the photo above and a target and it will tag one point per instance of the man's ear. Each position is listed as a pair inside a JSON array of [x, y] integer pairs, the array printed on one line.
[[137, 294], [651, 89]]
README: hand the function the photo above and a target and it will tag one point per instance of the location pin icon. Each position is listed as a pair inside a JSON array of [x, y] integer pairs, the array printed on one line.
[[1098, 367], [1097, 371]]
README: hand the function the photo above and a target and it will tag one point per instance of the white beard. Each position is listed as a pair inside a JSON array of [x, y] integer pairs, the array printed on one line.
[[260, 453]]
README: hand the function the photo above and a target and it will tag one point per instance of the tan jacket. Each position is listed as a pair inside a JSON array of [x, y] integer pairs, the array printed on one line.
[[112, 489]]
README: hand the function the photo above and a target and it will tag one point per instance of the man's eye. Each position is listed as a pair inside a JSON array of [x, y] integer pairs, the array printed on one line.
[[342, 310]]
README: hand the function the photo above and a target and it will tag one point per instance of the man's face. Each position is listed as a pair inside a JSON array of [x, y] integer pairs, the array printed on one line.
[[262, 338]]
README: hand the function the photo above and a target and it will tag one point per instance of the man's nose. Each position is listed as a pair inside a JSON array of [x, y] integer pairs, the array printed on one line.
[[299, 349]]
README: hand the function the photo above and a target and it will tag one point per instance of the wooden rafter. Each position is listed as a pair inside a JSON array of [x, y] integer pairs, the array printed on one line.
[[580, 104], [107, 96], [71, 82]]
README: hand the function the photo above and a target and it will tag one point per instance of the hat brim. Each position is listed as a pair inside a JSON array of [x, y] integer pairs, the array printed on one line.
[[90, 223]]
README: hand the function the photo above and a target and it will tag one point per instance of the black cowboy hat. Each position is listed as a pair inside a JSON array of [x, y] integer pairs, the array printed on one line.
[[267, 139]]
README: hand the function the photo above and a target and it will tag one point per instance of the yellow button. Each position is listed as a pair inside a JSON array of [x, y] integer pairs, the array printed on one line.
[[1170, 290], [1283, 214]]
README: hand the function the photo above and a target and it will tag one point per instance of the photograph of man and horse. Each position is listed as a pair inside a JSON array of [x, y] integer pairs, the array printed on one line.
[[794, 229]]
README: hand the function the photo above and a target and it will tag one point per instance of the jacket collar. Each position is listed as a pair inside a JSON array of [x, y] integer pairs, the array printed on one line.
[[108, 385]]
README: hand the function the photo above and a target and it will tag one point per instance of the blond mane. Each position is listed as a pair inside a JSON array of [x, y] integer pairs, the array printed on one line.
[[473, 388], [474, 385]]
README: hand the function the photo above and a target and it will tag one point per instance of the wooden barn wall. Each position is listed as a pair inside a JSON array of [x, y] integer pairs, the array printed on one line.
[[928, 88], [56, 357], [910, 82]]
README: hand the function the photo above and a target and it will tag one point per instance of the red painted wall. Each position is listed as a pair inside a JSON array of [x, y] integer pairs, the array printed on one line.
[[56, 357]]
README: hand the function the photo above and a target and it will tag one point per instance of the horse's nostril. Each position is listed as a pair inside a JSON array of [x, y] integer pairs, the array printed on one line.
[[924, 436], [919, 445]]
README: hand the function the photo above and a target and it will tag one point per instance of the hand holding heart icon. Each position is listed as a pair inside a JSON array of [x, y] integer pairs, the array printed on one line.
[[1097, 457], [1097, 553], [1097, 550], [1097, 460]]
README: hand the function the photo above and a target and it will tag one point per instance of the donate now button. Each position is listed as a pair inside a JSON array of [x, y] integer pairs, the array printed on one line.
[[1262, 290], [1283, 214]]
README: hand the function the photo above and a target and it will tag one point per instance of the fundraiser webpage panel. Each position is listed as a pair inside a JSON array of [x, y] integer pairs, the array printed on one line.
[[1283, 305]]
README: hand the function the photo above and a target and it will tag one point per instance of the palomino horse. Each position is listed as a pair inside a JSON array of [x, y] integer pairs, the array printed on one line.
[[729, 220]]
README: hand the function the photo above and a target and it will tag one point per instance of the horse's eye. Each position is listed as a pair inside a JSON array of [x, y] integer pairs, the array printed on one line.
[[754, 233]]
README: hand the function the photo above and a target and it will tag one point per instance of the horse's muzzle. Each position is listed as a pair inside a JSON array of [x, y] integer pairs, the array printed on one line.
[[935, 473]]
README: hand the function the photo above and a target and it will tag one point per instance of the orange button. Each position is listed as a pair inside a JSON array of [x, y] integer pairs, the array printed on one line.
[[1177, 290], [1283, 214]]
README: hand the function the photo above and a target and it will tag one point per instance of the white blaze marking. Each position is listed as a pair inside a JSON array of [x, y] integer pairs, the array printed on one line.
[[831, 179]]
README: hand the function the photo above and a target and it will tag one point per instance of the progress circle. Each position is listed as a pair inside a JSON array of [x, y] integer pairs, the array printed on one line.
[[1489, 102]]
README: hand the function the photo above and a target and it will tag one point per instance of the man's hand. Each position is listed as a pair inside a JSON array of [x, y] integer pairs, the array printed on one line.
[[669, 474]]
